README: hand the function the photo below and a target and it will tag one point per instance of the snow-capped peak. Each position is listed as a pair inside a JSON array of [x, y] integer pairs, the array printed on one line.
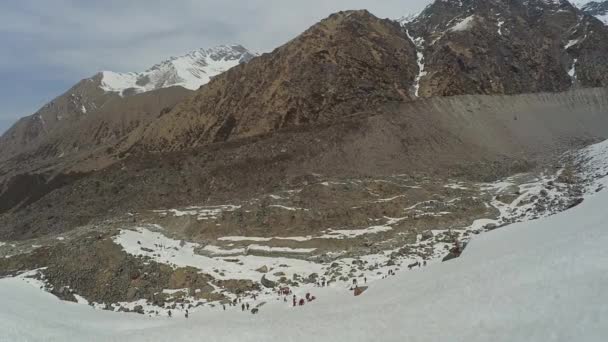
[[598, 9], [189, 71]]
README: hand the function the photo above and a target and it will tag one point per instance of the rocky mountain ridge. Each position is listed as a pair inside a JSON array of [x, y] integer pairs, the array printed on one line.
[[598, 9], [63, 115], [189, 71], [507, 47], [454, 48]]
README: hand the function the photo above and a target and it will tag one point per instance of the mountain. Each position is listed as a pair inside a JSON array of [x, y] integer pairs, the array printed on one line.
[[507, 47], [90, 96], [189, 71], [598, 9], [345, 98], [347, 63]]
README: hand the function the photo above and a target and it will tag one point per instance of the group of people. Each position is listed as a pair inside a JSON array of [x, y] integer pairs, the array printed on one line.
[[286, 291], [323, 283], [244, 306], [302, 301]]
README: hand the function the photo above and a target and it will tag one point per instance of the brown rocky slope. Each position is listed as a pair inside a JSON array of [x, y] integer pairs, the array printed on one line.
[[473, 137], [347, 63]]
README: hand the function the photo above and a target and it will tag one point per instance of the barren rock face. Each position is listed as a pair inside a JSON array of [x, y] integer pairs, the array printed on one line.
[[498, 47]]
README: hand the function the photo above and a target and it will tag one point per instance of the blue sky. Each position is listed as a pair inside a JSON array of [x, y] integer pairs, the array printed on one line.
[[49, 45]]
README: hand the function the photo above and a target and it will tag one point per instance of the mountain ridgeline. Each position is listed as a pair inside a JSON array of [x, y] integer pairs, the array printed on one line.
[[348, 63], [353, 62]]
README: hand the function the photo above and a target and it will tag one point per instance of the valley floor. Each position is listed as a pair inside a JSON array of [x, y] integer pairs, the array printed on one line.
[[541, 280]]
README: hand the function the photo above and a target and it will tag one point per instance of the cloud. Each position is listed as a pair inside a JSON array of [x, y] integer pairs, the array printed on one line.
[[68, 40]]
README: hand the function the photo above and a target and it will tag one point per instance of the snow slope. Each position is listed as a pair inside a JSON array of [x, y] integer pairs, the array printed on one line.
[[189, 71], [541, 280]]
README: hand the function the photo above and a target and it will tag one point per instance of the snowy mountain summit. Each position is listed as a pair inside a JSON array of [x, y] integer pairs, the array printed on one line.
[[598, 9], [189, 71]]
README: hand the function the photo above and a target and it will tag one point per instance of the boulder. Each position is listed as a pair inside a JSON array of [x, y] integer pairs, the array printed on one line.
[[132, 293], [263, 269], [359, 290], [268, 283], [575, 202], [427, 234], [490, 226], [312, 278]]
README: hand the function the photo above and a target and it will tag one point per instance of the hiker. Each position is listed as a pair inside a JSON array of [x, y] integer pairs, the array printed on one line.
[[424, 263], [254, 296], [294, 300], [224, 306], [355, 281], [302, 302], [242, 307], [169, 313], [307, 297], [186, 313], [410, 266], [247, 305], [365, 280]]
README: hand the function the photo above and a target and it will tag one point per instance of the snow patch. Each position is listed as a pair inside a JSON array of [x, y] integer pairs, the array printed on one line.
[[353, 233], [158, 247], [572, 71], [571, 43], [500, 25], [419, 44], [260, 248], [189, 71], [464, 25]]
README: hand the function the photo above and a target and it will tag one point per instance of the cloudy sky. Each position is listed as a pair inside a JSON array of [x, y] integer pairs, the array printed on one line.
[[49, 45]]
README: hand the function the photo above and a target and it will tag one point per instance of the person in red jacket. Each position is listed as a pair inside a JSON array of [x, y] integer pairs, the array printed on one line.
[[302, 302]]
